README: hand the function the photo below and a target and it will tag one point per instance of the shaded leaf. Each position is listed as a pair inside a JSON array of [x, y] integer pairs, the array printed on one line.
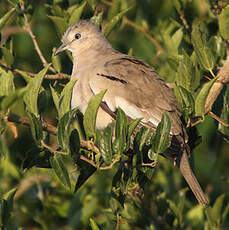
[[216, 210], [85, 170], [60, 24], [36, 128], [55, 97], [37, 157], [33, 88], [92, 3], [201, 98], [60, 169], [74, 141], [91, 113]]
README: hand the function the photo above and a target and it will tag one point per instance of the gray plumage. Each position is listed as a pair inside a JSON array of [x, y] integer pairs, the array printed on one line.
[[131, 84]]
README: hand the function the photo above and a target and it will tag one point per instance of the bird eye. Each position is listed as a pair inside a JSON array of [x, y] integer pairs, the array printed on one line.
[[77, 36]]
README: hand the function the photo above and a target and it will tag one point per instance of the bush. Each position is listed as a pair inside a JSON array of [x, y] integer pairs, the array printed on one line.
[[60, 174]]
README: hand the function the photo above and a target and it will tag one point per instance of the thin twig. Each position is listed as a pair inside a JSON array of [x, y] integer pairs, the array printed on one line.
[[36, 46], [147, 34], [211, 114]]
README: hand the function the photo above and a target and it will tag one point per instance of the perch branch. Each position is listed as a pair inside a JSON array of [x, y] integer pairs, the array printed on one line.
[[222, 78]]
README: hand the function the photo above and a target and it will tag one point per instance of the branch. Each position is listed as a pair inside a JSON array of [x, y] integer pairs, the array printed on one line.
[[222, 78], [47, 76], [30, 32]]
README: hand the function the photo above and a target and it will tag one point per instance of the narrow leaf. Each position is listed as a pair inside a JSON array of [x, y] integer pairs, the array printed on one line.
[[5, 18], [65, 98], [202, 96], [105, 146], [91, 113], [160, 141], [55, 97], [224, 23], [7, 56], [217, 208], [60, 24], [113, 22], [60, 170], [93, 224], [33, 88], [114, 9], [75, 16], [6, 82]]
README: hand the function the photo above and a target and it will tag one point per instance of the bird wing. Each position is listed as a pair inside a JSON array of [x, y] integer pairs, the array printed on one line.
[[136, 88]]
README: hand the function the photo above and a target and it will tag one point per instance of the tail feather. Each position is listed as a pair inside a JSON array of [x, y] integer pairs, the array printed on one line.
[[184, 166]]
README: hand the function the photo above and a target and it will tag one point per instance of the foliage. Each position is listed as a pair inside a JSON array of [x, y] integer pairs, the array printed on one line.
[[67, 174]]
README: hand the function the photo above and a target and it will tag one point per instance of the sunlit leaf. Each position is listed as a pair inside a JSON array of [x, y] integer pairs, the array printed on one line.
[[224, 23], [202, 96], [160, 141], [93, 224], [5, 18], [33, 88], [91, 113], [75, 16], [105, 145], [6, 82], [113, 22], [7, 56]]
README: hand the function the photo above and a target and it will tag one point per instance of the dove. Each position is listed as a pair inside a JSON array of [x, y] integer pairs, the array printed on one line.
[[132, 85]]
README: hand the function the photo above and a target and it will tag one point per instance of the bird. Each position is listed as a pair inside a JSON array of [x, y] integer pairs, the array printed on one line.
[[132, 85]]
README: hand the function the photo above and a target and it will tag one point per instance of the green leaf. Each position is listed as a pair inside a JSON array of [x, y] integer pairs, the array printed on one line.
[[177, 38], [174, 208], [113, 22], [160, 140], [5, 18], [201, 98], [224, 23], [7, 208], [203, 52], [12, 98], [93, 224], [105, 145], [97, 19], [74, 141], [3, 146], [64, 129], [65, 98], [85, 170], [33, 88], [186, 99], [130, 129], [60, 169], [55, 97], [37, 157], [75, 16], [217, 208], [225, 115], [36, 128], [60, 24], [91, 113], [92, 3], [114, 9], [56, 61], [6, 82], [7, 56], [119, 144]]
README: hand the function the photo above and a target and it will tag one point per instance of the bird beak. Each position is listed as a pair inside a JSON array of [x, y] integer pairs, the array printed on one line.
[[60, 49]]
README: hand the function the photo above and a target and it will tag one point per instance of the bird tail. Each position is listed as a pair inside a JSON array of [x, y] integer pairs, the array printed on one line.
[[190, 178]]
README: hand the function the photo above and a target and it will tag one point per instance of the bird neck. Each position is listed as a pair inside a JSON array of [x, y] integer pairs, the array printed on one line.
[[87, 58]]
